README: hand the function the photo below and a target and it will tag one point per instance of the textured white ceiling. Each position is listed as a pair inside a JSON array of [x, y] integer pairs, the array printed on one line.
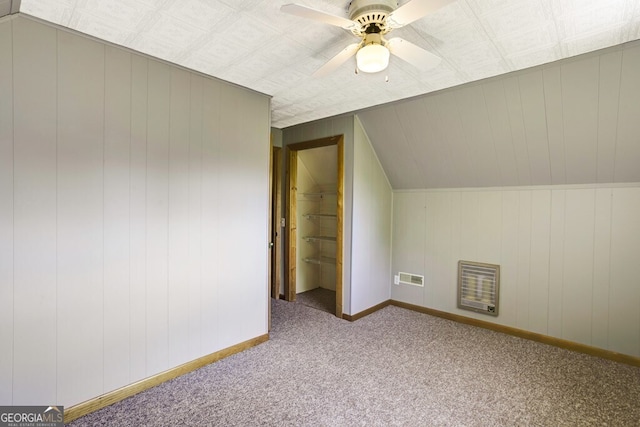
[[252, 44]]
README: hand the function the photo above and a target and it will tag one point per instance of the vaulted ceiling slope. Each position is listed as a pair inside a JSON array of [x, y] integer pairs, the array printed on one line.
[[251, 43], [576, 121]]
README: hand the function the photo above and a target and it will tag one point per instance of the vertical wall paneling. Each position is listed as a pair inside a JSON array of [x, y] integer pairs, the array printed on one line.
[[409, 228], [567, 256], [35, 296], [178, 219], [371, 250], [601, 268], [578, 266], [6, 212], [211, 210], [117, 256], [430, 250], [516, 124], [556, 262], [110, 201], [194, 291], [624, 296], [158, 128], [80, 217], [382, 205], [393, 163], [469, 226], [477, 132], [256, 153], [552, 80], [489, 213], [411, 118], [457, 242], [443, 161], [362, 227], [539, 265], [580, 82], [535, 125], [609, 97], [449, 116], [509, 303], [572, 121], [498, 116], [232, 274], [445, 277], [627, 148], [432, 148], [524, 259], [242, 163], [137, 220]]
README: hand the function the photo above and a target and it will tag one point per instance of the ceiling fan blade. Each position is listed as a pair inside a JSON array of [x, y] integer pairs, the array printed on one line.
[[337, 60], [414, 55], [414, 10], [317, 15]]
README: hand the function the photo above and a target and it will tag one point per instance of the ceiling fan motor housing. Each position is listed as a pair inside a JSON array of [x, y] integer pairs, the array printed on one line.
[[371, 13]]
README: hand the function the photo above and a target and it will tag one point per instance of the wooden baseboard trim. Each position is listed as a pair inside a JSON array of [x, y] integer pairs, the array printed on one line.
[[545, 339], [368, 311], [84, 408]]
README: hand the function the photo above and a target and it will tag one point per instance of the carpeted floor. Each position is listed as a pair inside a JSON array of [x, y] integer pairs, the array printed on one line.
[[318, 298], [392, 368]]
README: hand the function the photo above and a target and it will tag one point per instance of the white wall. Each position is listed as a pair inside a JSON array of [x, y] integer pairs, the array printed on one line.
[[6, 213], [132, 199], [572, 121], [371, 227], [568, 256]]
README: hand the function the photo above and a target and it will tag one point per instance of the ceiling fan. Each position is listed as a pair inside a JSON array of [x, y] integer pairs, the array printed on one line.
[[371, 21]]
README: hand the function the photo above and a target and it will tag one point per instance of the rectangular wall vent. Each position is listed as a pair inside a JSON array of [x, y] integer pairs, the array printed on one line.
[[478, 286], [411, 279]]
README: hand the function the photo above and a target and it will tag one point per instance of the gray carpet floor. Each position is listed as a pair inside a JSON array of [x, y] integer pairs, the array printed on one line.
[[318, 298], [392, 368]]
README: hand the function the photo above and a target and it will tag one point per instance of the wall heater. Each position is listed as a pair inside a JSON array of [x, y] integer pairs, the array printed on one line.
[[478, 287]]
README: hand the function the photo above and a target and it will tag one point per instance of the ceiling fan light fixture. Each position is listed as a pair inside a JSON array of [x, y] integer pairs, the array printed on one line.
[[372, 58]]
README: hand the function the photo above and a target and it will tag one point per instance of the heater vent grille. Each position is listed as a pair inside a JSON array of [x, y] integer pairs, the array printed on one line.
[[411, 279], [478, 287]]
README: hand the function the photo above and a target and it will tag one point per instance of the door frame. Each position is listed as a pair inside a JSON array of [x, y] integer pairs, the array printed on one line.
[[275, 216], [291, 215]]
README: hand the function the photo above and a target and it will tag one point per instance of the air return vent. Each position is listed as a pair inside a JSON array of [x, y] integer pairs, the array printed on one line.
[[478, 286], [411, 279]]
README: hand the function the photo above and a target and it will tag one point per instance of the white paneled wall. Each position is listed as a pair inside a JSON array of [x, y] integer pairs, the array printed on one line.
[[132, 201], [371, 227], [567, 122], [568, 256], [35, 285], [79, 217], [6, 212], [117, 210]]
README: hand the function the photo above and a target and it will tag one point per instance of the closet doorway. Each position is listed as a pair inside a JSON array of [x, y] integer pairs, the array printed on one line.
[[314, 218]]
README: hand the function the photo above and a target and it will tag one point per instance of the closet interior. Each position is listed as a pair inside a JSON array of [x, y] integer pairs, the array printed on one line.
[[317, 226]]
